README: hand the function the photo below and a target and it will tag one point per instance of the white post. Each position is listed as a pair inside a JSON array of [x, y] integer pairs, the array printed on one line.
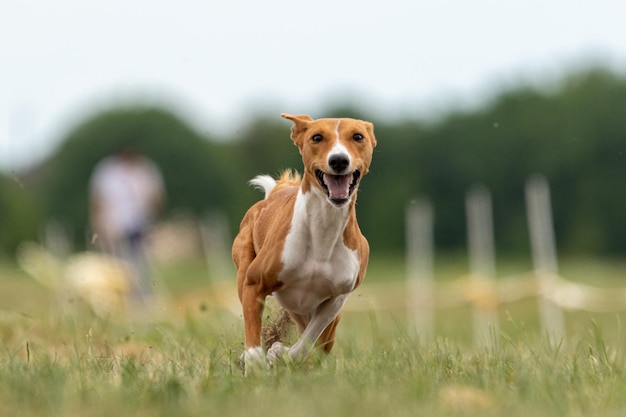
[[419, 267], [544, 254], [482, 265]]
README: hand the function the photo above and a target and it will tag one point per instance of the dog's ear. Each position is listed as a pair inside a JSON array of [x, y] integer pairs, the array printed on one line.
[[300, 123], [370, 131]]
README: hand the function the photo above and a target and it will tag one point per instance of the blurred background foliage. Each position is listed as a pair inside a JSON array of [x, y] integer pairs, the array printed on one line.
[[573, 132]]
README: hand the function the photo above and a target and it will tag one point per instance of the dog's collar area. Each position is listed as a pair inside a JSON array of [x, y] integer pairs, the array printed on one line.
[[339, 188]]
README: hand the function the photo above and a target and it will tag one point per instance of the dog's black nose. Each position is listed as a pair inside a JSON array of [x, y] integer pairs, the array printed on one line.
[[339, 162]]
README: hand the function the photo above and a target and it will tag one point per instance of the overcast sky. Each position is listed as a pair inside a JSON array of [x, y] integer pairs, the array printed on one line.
[[216, 61]]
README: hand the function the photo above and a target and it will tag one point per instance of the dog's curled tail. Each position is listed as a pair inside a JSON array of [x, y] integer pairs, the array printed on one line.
[[263, 183], [267, 184]]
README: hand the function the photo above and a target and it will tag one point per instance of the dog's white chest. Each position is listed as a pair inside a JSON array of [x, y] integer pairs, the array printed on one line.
[[316, 263]]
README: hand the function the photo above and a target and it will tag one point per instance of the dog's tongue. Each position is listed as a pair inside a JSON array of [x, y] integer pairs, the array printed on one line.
[[338, 186]]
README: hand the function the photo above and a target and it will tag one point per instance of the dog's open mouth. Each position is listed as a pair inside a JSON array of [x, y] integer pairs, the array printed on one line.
[[339, 188]]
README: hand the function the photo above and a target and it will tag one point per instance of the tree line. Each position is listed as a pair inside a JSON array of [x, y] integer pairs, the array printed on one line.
[[573, 133]]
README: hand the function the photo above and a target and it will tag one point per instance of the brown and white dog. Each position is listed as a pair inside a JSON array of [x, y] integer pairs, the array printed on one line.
[[302, 242]]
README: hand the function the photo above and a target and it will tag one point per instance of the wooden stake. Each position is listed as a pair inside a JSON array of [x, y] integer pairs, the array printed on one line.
[[419, 266], [482, 265], [544, 254]]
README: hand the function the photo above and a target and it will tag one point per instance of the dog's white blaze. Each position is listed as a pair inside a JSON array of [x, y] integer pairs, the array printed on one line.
[[317, 266], [338, 147], [337, 130]]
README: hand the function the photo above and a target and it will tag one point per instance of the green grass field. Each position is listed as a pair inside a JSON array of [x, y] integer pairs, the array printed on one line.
[[184, 361]]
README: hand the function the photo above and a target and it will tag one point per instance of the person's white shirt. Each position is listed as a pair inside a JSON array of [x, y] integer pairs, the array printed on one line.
[[126, 190]]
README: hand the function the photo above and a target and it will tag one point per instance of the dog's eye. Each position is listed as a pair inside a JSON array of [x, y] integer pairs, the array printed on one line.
[[317, 138], [358, 137]]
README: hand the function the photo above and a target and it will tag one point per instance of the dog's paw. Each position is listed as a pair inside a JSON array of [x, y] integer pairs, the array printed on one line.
[[253, 359], [278, 352]]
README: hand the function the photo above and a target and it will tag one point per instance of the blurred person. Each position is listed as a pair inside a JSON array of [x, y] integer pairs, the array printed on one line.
[[126, 194]]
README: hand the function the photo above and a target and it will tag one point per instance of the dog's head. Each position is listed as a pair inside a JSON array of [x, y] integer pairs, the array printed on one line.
[[336, 153]]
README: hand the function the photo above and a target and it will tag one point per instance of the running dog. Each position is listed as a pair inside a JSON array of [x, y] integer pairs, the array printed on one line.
[[302, 243]]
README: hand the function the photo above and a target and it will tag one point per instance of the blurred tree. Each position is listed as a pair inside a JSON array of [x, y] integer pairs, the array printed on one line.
[[574, 135], [19, 215], [572, 132]]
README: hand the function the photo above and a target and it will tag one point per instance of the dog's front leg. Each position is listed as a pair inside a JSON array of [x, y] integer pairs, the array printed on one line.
[[322, 317], [252, 303]]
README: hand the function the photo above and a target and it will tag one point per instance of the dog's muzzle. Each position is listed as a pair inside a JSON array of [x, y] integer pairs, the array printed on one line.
[[339, 188]]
